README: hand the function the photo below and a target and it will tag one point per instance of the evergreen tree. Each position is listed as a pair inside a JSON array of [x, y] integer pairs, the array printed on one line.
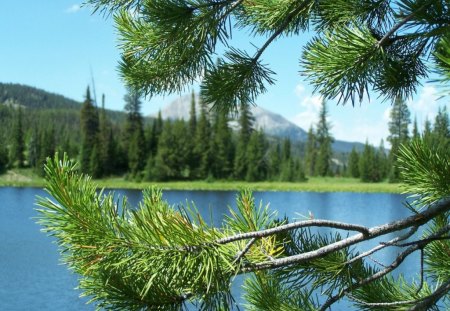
[[382, 161], [287, 170], [256, 162], [398, 134], [367, 163], [245, 131], [441, 128], [153, 134], [47, 148], [427, 131], [324, 141], [353, 164], [89, 120], [203, 144], [3, 158], [311, 152], [134, 138], [415, 130], [33, 148], [17, 152], [192, 156], [157, 257], [274, 162], [105, 147], [171, 163], [192, 116], [223, 147]]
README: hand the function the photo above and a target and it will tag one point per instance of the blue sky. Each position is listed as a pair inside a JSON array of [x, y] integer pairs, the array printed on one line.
[[56, 45]]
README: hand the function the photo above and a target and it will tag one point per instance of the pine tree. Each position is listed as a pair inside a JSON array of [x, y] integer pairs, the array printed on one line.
[[47, 148], [324, 141], [415, 130], [105, 147], [223, 147], [3, 159], [33, 148], [441, 128], [367, 163], [134, 138], [156, 257], [274, 166], [427, 131], [192, 116], [353, 164], [171, 163], [311, 152], [203, 144], [398, 134], [17, 152], [256, 161], [245, 131], [89, 120], [192, 157], [382, 161]]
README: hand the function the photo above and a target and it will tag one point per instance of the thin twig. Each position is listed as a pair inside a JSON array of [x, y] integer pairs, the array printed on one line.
[[381, 246], [283, 26], [396, 27]]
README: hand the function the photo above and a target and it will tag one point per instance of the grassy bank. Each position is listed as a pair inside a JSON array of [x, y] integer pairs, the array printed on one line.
[[25, 178]]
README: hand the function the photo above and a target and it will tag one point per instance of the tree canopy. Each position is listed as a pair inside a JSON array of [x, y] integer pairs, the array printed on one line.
[[158, 258], [360, 45]]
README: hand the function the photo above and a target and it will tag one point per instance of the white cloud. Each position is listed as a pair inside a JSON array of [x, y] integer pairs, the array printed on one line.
[[73, 8], [310, 105], [425, 106]]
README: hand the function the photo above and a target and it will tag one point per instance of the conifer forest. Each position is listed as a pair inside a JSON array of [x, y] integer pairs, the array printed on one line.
[[35, 124]]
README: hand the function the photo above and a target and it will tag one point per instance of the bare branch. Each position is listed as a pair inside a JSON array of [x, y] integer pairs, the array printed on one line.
[[384, 245]]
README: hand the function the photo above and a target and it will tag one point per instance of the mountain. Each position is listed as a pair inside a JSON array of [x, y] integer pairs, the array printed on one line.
[[33, 98], [272, 123]]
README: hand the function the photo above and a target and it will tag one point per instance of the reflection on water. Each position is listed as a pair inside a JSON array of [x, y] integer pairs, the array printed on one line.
[[33, 279]]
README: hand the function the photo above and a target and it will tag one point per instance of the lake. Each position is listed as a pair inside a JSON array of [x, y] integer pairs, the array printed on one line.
[[32, 277]]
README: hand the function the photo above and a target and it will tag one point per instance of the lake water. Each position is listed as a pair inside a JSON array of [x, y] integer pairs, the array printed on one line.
[[32, 278]]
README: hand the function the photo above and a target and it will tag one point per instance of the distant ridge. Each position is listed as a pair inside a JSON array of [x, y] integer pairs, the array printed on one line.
[[271, 123], [34, 98]]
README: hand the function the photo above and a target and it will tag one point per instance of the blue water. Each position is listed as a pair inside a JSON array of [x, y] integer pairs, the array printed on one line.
[[32, 277]]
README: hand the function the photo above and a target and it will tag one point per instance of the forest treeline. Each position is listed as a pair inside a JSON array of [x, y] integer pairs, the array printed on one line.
[[35, 124]]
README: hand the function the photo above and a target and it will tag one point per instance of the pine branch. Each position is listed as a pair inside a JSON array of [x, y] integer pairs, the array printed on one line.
[[394, 265], [373, 232]]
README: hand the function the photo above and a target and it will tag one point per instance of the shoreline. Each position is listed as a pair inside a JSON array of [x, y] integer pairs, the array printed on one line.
[[314, 184]]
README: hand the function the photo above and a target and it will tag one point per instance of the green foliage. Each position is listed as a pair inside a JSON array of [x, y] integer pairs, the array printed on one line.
[[3, 159], [157, 258], [398, 134], [425, 168], [89, 130], [150, 257], [17, 151], [353, 164]]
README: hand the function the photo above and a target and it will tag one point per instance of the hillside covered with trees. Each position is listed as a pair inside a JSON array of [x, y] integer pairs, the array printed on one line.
[[35, 124]]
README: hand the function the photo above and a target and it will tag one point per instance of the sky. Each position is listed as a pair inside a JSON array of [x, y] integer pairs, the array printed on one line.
[[60, 46]]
